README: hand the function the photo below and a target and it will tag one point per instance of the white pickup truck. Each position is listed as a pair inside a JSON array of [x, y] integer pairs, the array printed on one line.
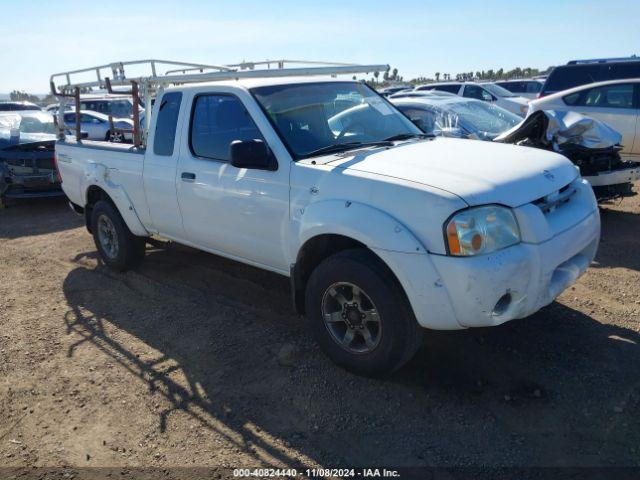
[[381, 229]]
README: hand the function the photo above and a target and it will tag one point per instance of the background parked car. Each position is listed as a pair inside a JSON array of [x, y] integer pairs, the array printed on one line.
[[96, 125], [584, 72], [120, 106], [385, 92], [422, 93], [615, 103], [27, 165], [452, 116], [486, 92], [54, 107], [527, 88], [17, 106]]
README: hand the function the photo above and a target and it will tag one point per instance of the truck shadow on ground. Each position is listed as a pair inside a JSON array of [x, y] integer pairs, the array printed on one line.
[[37, 217], [555, 387]]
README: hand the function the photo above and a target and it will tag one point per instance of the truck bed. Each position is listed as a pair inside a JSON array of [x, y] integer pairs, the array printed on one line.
[[112, 165]]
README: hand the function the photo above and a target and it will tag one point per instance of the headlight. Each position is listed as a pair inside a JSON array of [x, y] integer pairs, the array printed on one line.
[[481, 230]]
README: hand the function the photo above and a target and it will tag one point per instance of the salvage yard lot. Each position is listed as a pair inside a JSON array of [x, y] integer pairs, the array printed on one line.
[[198, 360]]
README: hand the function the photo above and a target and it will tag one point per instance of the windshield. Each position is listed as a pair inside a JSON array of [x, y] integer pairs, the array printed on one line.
[[497, 90], [483, 119], [312, 117], [28, 122], [465, 119]]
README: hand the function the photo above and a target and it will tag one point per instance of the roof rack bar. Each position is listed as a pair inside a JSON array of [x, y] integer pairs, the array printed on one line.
[[631, 58], [117, 71], [150, 84], [249, 65], [222, 72]]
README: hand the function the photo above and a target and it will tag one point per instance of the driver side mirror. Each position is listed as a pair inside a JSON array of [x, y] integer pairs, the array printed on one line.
[[251, 154]]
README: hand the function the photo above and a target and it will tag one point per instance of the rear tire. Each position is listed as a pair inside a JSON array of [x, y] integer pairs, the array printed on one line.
[[359, 314], [119, 249]]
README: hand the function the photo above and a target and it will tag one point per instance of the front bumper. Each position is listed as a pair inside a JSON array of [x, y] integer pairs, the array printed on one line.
[[449, 293], [532, 275]]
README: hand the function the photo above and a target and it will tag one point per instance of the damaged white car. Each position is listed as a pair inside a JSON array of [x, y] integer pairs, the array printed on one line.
[[590, 144]]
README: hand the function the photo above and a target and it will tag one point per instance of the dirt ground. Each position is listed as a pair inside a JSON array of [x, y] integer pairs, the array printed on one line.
[[194, 360]]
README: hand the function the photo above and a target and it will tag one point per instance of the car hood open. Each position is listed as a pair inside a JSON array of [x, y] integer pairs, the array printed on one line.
[[478, 172]]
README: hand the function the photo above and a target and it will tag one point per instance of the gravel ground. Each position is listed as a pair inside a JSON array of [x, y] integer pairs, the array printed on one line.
[[194, 360]]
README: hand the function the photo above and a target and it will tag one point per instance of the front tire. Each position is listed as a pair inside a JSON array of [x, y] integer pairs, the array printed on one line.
[[360, 315], [119, 249]]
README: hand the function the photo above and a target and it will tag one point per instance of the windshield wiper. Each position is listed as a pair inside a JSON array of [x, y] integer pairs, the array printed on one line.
[[343, 147], [407, 136]]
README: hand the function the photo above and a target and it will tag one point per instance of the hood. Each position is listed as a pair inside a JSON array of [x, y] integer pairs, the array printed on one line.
[[478, 172]]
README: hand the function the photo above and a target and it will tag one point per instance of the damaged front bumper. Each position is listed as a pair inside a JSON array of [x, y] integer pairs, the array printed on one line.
[[520, 280], [448, 293]]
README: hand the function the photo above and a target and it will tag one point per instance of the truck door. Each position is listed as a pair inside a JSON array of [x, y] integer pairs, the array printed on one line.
[[160, 166], [238, 212]]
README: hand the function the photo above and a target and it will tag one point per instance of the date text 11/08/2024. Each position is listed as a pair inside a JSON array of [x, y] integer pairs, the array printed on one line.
[[317, 473]]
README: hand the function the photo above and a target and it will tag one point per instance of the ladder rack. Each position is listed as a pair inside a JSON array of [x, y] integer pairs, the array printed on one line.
[[67, 85], [181, 72]]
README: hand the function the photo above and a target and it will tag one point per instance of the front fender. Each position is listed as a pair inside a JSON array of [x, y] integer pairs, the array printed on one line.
[[368, 225], [96, 174], [394, 244]]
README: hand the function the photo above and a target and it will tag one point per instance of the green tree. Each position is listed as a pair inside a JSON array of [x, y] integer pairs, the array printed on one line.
[[19, 96]]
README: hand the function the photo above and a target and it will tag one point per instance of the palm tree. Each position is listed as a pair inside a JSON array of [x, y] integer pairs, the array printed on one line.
[[437, 76]]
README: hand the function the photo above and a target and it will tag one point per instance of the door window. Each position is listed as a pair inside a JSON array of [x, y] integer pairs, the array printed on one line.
[[447, 88], [533, 87], [217, 120], [479, 93], [84, 118], [609, 96], [423, 118]]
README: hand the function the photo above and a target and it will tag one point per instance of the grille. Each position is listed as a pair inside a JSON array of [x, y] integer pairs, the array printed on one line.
[[555, 200]]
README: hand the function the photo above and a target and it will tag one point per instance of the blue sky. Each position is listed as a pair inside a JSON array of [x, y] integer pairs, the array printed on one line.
[[418, 37]]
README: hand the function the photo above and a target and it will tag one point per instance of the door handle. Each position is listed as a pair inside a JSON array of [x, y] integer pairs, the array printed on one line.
[[188, 177]]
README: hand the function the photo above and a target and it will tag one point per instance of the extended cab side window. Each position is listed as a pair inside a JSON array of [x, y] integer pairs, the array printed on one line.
[[217, 120], [165, 134]]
